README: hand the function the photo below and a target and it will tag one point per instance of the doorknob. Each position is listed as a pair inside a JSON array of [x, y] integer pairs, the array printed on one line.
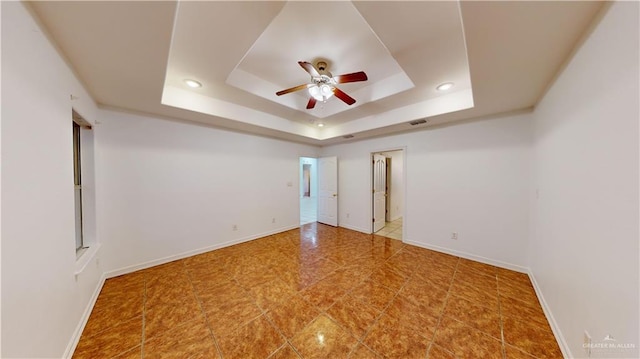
[[335, 194]]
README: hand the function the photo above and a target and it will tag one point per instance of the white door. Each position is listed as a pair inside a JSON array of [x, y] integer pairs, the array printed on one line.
[[328, 190], [379, 190]]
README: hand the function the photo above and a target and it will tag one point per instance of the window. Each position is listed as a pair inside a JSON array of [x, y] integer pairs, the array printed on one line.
[[77, 184], [83, 182], [84, 193]]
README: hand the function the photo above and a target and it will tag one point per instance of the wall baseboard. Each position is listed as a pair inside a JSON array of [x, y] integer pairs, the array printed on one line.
[[77, 333], [354, 228], [562, 343], [156, 262], [75, 339], [473, 257]]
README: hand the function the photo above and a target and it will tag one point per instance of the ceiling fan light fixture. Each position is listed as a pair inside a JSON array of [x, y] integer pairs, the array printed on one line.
[[193, 83], [321, 92], [326, 90], [445, 86], [315, 92]]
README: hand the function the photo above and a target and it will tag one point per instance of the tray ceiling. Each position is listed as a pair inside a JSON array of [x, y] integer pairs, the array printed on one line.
[[135, 56]]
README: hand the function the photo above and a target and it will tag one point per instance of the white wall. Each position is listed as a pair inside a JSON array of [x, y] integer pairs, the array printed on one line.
[[584, 243], [42, 300], [0, 195], [168, 188], [471, 178]]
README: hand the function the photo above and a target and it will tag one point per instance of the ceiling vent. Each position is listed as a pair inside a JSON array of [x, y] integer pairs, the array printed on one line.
[[347, 136], [418, 122]]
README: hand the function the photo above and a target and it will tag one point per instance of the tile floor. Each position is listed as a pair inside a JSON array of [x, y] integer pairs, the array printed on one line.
[[319, 292], [392, 229], [308, 210]]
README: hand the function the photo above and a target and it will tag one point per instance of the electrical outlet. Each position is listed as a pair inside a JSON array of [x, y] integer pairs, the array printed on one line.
[[587, 344], [235, 227], [454, 235], [348, 215], [273, 220]]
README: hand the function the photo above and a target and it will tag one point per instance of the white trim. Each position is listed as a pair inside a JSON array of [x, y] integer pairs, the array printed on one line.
[[564, 347], [354, 228], [156, 262], [75, 339], [77, 333], [87, 255], [557, 333], [473, 257]]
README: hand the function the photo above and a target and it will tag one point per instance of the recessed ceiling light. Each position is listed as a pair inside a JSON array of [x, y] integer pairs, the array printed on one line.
[[193, 83], [445, 86], [320, 124]]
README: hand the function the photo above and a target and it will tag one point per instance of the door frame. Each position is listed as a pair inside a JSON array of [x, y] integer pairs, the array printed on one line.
[[405, 217], [298, 180], [375, 158], [387, 191]]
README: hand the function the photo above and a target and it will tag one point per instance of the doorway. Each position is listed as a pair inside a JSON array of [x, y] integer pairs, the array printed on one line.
[[388, 193], [308, 190], [306, 180]]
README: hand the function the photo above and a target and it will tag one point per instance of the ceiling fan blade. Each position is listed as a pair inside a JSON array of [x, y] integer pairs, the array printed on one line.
[[312, 103], [343, 96], [354, 77], [293, 89], [308, 67]]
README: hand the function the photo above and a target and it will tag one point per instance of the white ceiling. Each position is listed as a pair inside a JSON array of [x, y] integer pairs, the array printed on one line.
[[270, 63], [135, 55]]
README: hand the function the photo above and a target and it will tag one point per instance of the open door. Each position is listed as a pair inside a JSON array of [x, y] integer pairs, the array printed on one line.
[[387, 191], [328, 190], [379, 191]]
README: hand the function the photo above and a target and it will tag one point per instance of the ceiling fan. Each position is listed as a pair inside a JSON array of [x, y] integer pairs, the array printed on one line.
[[323, 84]]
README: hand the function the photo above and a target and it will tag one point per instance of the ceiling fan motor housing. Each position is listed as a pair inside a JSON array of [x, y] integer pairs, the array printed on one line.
[[323, 79], [321, 66]]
